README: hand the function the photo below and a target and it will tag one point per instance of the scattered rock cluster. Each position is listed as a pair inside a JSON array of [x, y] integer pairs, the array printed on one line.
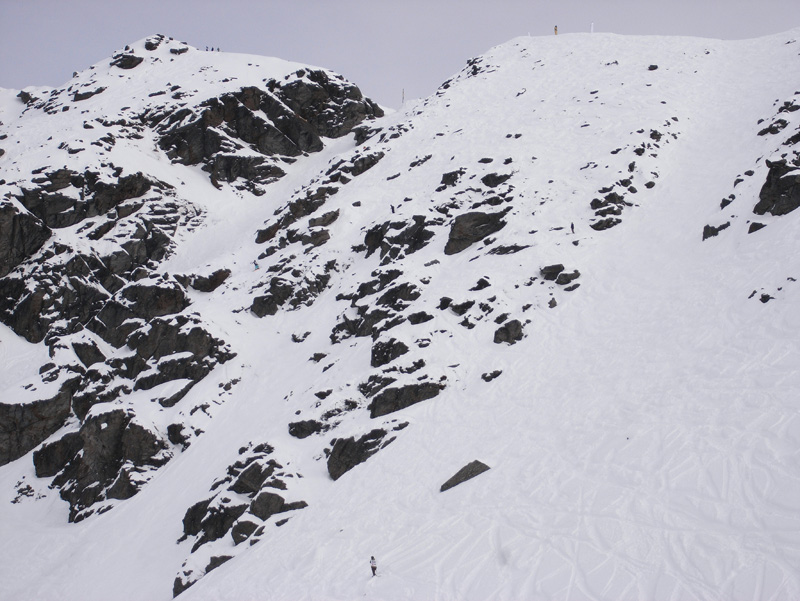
[[248, 499]]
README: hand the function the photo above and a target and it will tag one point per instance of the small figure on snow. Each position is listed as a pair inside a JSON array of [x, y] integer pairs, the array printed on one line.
[[374, 565], [556, 29], [255, 265], [572, 227]]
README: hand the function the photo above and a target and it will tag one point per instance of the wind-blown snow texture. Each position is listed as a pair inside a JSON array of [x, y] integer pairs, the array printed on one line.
[[551, 266]]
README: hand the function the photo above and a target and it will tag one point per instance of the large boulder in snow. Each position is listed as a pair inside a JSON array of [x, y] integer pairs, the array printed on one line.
[[126, 61], [253, 477], [395, 399], [386, 351], [472, 227], [467, 472], [510, 332], [349, 452], [278, 292], [243, 528], [209, 283], [780, 194]]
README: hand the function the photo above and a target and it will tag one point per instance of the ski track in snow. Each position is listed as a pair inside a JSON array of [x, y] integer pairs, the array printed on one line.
[[643, 438]]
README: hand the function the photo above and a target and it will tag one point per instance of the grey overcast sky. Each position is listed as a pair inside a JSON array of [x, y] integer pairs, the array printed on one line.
[[384, 46]]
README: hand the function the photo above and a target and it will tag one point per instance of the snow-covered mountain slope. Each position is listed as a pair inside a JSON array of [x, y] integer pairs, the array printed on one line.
[[264, 353]]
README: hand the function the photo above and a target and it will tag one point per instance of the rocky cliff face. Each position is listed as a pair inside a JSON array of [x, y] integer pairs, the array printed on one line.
[[82, 251]]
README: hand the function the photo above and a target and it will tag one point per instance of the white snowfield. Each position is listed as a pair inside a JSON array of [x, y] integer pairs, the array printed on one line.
[[644, 435]]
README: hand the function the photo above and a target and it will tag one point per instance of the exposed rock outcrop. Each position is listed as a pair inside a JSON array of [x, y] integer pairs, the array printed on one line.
[[469, 471], [397, 398], [780, 194], [349, 452], [470, 228], [21, 235], [23, 426]]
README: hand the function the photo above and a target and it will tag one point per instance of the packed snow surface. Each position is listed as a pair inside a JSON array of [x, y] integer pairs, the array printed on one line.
[[643, 437]]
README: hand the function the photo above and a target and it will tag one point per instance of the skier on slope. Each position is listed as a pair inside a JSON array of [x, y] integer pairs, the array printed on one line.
[[374, 565], [555, 29]]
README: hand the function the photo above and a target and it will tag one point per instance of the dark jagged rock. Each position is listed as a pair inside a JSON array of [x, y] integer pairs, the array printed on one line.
[[29, 305], [153, 42], [488, 377], [23, 426], [395, 399], [177, 335], [279, 292], [411, 238], [217, 521], [209, 283], [324, 220], [710, 231], [365, 324], [349, 452], [21, 235], [267, 504], [397, 297], [109, 441], [510, 332], [26, 97], [330, 104], [565, 278], [147, 300], [755, 226], [604, 224], [551, 272], [251, 115], [472, 227], [78, 96], [305, 428], [611, 204], [230, 167], [461, 308], [286, 120], [59, 210], [193, 518], [243, 529], [508, 249], [253, 477], [780, 194], [88, 353], [374, 384], [493, 180], [419, 317], [177, 436], [775, 127], [140, 445], [355, 166], [126, 61], [52, 457], [386, 352], [469, 471], [451, 179]]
